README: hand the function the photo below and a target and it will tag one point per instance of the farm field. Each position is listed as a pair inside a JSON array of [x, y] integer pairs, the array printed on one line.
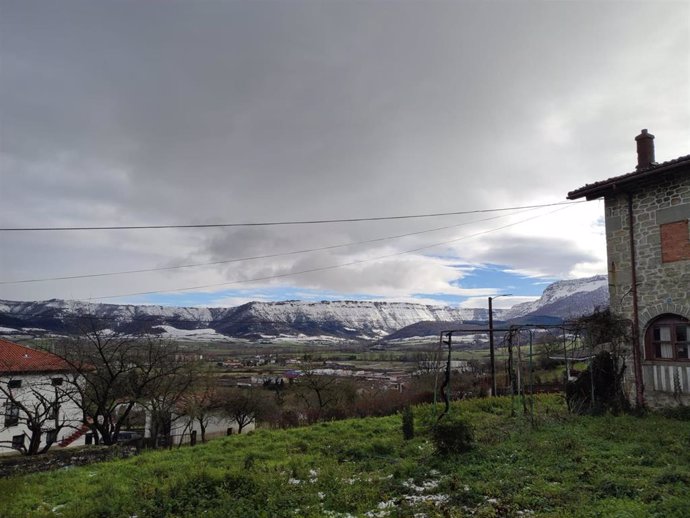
[[560, 465], [403, 355]]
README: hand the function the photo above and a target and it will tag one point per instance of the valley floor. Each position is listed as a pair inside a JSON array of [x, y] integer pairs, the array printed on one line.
[[562, 465]]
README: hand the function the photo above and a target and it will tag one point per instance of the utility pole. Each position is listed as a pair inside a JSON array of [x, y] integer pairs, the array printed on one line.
[[491, 349], [491, 342]]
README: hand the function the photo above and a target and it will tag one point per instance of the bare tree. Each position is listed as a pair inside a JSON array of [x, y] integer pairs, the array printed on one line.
[[428, 361], [244, 405], [201, 403], [34, 404], [319, 392], [165, 396], [113, 372]]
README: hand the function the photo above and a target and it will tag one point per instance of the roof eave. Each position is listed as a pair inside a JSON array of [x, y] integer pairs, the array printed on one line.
[[48, 370], [621, 184], [594, 192]]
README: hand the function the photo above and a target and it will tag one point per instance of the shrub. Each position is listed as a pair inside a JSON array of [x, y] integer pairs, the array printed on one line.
[[249, 461], [680, 412], [380, 448], [673, 477], [196, 490], [453, 436], [408, 423], [602, 379]]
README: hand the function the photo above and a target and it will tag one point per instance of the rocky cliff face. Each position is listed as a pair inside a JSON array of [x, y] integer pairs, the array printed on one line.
[[566, 299]]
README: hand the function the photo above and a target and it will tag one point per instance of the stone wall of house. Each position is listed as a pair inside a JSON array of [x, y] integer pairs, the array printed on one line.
[[663, 272]]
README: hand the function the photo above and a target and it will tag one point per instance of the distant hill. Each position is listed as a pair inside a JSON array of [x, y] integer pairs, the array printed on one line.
[[346, 320], [432, 329], [255, 320]]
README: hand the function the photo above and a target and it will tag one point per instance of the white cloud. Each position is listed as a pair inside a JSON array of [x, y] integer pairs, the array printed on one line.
[[497, 303], [229, 302], [353, 109]]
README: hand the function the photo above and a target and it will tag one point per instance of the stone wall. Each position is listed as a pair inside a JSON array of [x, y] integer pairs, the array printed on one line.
[[662, 286], [11, 465]]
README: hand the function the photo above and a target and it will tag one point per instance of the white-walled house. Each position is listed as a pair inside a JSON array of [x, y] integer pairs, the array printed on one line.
[[40, 409], [216, 425], [36, 410], [194, 411]]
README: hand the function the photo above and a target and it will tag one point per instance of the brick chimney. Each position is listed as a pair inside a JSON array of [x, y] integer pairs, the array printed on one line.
[[645, 150]]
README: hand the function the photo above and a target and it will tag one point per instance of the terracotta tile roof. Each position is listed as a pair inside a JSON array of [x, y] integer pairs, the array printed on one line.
[[17, 358], [599, 189]]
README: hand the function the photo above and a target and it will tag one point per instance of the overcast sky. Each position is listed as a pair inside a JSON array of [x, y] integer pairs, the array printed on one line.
[[146, 113]]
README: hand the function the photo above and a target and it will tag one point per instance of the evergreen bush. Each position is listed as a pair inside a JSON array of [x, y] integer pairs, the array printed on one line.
[[408, 423], [453, 436]]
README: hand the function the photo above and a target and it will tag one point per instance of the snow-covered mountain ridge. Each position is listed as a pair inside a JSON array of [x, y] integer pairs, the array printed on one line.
[[570, 298], [347, 319], [255, 320]]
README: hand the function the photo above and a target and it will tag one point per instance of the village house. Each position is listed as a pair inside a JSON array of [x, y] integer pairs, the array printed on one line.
[[35, 398], [40, 409], [648, 249]]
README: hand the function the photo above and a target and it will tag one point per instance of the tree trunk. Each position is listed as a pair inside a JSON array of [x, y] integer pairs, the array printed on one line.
[[34, 441], [202, 427]]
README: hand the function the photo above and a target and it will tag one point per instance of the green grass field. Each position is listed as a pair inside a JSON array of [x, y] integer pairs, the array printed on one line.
[[564, 465]]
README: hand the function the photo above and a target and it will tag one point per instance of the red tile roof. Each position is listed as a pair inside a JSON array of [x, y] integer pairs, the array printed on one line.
[[604, 187], [17, 358]]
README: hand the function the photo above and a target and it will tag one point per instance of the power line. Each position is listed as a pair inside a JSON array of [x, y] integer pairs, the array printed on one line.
[[251, 258], [276, 223], [326, 268]]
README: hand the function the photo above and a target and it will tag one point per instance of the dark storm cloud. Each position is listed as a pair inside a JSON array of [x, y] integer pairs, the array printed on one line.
[[159, 112]]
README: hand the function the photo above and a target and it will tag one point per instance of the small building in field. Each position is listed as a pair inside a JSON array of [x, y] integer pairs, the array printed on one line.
[[37, 408], [648, 250]]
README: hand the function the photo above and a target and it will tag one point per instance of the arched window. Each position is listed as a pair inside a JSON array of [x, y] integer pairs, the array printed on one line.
[[668, 338]]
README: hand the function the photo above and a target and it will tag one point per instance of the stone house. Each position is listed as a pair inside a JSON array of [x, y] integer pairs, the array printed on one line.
[[648, 250]]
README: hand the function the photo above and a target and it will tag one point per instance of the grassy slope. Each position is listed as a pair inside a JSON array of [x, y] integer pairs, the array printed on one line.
[[566, 466]]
